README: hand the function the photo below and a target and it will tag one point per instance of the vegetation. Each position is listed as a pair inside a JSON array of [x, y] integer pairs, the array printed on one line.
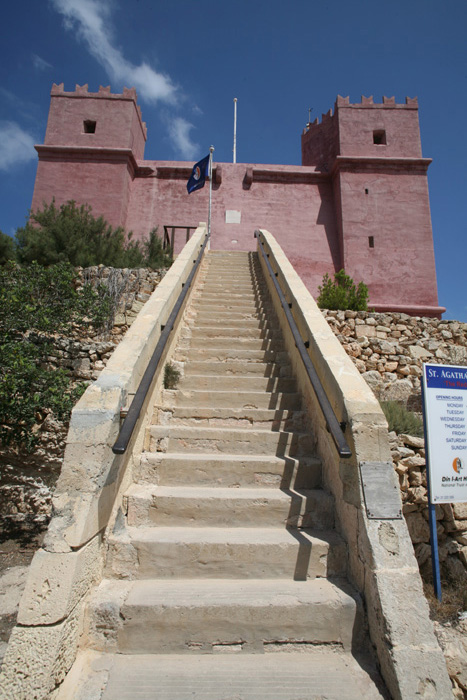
[[70, 233], [401, 420], [171, 376], [36, 303], [38, 300], [7, 248], [342, 294]]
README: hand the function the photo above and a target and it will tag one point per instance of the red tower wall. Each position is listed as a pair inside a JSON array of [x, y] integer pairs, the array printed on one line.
[[373, 155], [359, 201]]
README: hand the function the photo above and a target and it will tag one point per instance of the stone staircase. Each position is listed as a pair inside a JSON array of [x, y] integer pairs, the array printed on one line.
[[225, 577]]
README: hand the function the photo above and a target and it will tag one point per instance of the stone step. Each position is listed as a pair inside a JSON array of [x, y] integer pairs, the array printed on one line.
[[326, 673], [234, 324], [203, 506], [226, 306], [236, 368], [203, 552], [228, 399], [189, 439], [237, 383], [227, 320], [201, 342], [230, 354], [227, 274], [232, 418], [189, 615], [207, 331], [227, 471]]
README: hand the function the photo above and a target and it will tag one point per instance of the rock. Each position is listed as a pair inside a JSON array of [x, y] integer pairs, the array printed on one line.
[[418, 353], [399, 390], [460, 511], [412, 441], [418, 527]]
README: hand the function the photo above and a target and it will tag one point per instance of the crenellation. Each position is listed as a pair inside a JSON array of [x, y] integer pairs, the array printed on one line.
[[342, 101], [389, 100], [129, 92], [103, 93], [367, 100], [411, 101]]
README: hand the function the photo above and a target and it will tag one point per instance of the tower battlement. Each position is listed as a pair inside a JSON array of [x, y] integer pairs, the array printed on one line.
[[410, 103], [368, 129], [104, 93]]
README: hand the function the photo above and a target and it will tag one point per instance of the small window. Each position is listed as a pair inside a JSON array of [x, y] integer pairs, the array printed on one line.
[[366, 190], [379, 137], [89, 126], [371, 241]]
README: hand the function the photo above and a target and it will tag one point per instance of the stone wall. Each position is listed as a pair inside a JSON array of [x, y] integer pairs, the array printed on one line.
[[27, 480], [388, 350]]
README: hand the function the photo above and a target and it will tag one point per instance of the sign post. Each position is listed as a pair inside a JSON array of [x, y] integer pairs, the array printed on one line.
[[444, 389]]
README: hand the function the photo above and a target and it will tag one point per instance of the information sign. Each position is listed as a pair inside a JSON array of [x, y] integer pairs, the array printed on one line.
[[445, 408]]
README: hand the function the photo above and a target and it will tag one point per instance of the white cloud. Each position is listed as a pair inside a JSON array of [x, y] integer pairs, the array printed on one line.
[[179, 132], [16, 145], [39, 63], [91, 20]]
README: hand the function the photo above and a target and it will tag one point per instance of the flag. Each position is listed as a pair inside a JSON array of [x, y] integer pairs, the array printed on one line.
[[198, 175]]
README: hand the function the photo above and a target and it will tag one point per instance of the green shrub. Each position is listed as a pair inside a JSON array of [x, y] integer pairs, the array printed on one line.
[[7, 248], [171, 376], [342, 294], [70, 233], [401, 420], [155, 256], [35, 304]]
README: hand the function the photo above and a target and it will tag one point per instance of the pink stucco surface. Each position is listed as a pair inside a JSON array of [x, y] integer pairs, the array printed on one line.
[[352, 204], [293, 202]]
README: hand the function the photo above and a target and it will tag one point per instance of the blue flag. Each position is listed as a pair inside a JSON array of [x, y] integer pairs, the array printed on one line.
[[198, 175]]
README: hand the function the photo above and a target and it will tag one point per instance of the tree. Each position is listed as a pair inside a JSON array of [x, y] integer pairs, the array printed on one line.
[[7, 248], [342, 294], [70, 233], [155, 255]]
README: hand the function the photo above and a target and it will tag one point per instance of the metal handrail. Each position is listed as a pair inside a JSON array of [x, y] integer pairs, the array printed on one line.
[[332, 423], [134, 411]]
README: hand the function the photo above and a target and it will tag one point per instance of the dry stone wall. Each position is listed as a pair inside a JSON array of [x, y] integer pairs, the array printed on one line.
[[27, 479], [389, 350]]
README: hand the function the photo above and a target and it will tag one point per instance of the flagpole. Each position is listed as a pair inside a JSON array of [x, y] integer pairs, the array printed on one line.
[[211, 151], [235, 132]]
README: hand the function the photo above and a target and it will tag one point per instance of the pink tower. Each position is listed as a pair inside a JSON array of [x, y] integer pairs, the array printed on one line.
[[373, 155], [90, 150]]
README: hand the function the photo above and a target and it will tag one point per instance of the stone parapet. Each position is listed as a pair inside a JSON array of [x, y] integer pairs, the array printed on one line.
[[43, 645], [381, 560]]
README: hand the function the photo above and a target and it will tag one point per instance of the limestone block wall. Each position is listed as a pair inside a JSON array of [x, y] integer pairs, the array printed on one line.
[[389, 350]]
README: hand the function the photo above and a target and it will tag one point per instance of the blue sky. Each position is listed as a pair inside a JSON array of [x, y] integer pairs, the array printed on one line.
[[188, 59]]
